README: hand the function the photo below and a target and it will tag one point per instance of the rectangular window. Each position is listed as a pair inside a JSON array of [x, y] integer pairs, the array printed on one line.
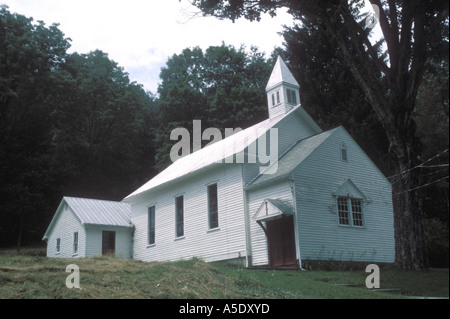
[[213, 214], [273, 99], [75, 243], [291, 96], [344, 152], [278, 97], [151, 225], [179, 217], [58, 245], [350, 211], [343, 211], [357, 215]]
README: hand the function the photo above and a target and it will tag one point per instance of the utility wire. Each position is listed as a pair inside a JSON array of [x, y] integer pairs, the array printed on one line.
[[420, 165], [422, 186]]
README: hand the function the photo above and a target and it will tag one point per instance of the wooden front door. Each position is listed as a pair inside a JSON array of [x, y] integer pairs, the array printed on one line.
[[281, 242], [108, 242]]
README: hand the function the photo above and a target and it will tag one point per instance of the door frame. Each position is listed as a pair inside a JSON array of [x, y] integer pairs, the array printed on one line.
[[277, 237], [109, 250]]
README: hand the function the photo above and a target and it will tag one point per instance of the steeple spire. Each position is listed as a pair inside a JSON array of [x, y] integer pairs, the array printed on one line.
[[283, 91]]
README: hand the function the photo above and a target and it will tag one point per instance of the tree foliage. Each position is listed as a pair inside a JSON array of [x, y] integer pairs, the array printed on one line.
[[224, 87], [70, 124]]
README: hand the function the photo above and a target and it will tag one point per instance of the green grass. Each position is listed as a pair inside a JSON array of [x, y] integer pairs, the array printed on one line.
[[24, 276]]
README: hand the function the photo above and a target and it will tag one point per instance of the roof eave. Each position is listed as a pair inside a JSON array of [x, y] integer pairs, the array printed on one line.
[[132, 197], [269, 181]]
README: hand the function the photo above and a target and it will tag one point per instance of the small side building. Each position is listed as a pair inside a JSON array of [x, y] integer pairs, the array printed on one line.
[[83, 227]]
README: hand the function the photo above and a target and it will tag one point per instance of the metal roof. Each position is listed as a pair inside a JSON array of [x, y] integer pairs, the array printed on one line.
[[281, 74], [100, 212], [211, 154], [94, 212], [293, 157]]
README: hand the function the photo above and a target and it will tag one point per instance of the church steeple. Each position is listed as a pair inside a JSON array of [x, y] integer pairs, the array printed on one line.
[[283, 91]]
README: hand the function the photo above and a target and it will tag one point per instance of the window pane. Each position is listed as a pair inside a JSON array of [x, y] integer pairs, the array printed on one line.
[[357, 212], [179, 216], [213, 215], [151, 225], [343, 211], [75, 242], [343, 153]]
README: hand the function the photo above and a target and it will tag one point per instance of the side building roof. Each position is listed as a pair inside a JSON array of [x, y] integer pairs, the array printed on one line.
[[95, 212]]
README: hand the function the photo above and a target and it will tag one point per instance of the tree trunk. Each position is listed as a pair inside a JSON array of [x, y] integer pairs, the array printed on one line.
[[410, 248]]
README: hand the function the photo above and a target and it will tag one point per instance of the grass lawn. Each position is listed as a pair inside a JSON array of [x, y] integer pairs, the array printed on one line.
[[23, 276]]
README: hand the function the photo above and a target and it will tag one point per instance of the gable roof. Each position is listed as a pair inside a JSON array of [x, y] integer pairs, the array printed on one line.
[[273, 208], [100, 212], [292, 158], [215, 153], [95, 212], [348, 188], [281, 74]]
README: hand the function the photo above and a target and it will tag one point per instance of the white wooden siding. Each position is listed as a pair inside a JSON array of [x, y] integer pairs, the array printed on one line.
[[278, 109], [290, 131], [226, 242], [64, 228], [319, 233], [94, 239], [259, 250]]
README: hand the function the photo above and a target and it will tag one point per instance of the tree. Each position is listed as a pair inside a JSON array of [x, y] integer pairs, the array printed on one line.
[[223, 87], [97, 134], [70, 124], [412, 30], [30, 55], [432, 117]]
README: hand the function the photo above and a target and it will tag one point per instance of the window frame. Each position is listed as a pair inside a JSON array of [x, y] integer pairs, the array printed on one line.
[[291, 96], [75, 243], [58, 245], [177, 216], [151, 225], [343, 152], [350, 211], [210, 212]]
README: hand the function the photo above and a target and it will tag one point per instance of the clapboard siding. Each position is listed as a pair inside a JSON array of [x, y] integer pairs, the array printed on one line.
[[94, 241], [65, 227], [291, 130], [228, 241], [316, 179], [280, 190]]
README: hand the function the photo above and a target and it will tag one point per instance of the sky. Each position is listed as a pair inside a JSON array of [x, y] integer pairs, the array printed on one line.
[[140, 35]]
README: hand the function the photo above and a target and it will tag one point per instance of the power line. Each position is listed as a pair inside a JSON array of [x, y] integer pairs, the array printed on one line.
[[422, 186], [420, 165], [432, 166]]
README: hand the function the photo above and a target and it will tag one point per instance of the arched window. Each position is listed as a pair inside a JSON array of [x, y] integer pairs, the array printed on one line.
[[344, 155]]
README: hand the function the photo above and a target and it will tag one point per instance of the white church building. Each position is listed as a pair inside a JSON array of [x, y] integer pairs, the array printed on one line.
[[319, 198]]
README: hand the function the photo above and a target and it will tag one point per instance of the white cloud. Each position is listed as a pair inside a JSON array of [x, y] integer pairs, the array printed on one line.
[[140, 35]]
